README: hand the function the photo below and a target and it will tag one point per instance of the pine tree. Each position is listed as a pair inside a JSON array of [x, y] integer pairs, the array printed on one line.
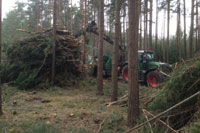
[[185, 39], [192, 29], [133, 87], [150, 25], [115, 51], [1, 112], [54, 42], [100, 49], [168, 26]]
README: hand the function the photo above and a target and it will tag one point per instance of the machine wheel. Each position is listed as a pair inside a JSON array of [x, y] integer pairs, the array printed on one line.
[[153, 79], [125, 73]]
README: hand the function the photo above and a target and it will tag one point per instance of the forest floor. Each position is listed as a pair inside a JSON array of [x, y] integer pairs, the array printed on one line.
[[75, 109]]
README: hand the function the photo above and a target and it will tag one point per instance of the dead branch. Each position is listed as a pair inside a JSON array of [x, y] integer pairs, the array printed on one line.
[[116, 102], [101, 124], [147, 120], [164, 112], [21, 30], [34, 33], [165, 124], [165, 74]]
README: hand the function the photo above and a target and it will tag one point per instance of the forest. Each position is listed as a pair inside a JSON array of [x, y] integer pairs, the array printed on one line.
[[100, 66]]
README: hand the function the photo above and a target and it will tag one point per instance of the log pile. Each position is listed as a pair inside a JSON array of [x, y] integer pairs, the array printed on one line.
[[29, 61]]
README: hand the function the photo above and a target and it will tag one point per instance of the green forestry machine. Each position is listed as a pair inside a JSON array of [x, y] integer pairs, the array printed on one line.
[[150, 72]]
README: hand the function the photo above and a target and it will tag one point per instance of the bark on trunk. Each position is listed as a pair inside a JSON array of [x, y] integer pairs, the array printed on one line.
[[145, 24], [1, 112], [185, 39], [197, 22], [85, 26], [192, 29], [100, 53], [178, 31], [71, 14], [54, 43], [50, 9], [156, 34], [94, 37], [150, 25], [115, 51], [133, 88], [66, 14], [168, 24]]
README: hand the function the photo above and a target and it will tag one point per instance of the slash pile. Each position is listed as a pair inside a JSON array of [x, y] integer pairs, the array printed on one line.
[[184, 82], [28, 62]]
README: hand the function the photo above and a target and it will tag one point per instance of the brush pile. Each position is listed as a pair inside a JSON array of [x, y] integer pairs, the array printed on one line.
[[184, 82], [28, 62]]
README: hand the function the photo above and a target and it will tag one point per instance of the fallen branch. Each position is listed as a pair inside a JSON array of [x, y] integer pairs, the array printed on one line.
[[165, 124], [34, 33], [21, 30], [101, 124], [165, 74], [115, 102], [147, 120], [164, 112]]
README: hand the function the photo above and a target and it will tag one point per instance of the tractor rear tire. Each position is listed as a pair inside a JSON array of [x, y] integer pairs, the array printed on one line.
[[154, 78], [125, 73]]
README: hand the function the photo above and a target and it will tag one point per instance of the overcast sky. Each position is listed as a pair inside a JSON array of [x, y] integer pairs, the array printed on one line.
[[9, 4]]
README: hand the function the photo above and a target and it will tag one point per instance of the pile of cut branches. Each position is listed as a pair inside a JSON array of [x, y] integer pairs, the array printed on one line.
[[28, 62], [184, 82]]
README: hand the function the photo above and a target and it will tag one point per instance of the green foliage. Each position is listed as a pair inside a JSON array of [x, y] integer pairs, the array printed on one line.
[[183, 83], [3, 126], [113, 122], [195, 128], [28, 127], [79, 130], [28, 63], [38, 127]]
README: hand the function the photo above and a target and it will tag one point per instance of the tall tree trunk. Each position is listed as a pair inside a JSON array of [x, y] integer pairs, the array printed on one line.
[[100, 50], [86, 14], [41, 13], [37, 16], [85, 26], [94, 36], [50, 9], [197, 22], [1, 111], [198, 26], [150, 25], [71, 14], [124, 33], [156, 34], [163, 40], [60, 4], [145, 24], [140, 46], [185, 39], [178, 31], [81, 8], [66, 14], [115, 51], [168, 25], [192, 29], [133, 88], [54, 43]]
